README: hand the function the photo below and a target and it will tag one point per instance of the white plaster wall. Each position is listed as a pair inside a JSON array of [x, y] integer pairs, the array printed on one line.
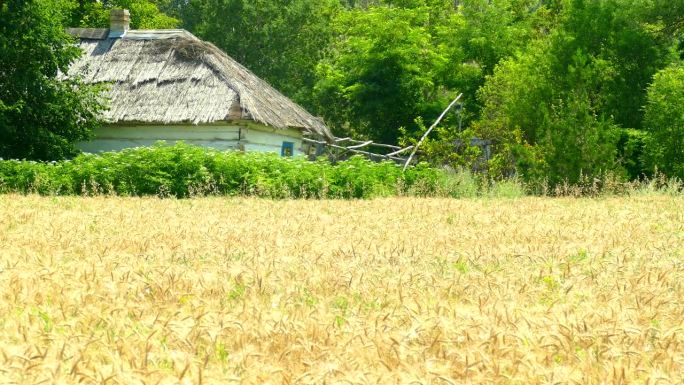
[[269, 140], [220, 137]]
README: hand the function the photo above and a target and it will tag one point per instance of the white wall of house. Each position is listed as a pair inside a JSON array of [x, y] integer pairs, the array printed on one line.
[[221, 137], [266, 139]]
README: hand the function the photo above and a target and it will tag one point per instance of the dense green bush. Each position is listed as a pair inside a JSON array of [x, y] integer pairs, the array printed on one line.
[[183, 171], [41, 115], [664, 146]]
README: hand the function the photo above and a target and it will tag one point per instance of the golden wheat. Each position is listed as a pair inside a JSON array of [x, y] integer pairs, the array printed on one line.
[[402, 290]]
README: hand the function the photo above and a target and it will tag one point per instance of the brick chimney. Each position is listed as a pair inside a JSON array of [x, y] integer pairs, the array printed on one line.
[[119, 22]]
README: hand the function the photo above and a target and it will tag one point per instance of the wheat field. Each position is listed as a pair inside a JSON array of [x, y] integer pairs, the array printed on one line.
[[112, 290]]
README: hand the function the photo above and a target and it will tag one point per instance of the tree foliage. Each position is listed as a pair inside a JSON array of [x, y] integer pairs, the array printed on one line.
[[398, 62], [664, 147], [145, 14], [41, 115], [383, 72], [559, 107]]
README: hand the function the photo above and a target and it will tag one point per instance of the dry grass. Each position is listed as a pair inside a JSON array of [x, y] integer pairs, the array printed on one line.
[[554, 291]]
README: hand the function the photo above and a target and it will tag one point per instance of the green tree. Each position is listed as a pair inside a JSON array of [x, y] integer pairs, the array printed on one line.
[[41, 116], [560, 107], [399, 61], [145, 14], [612, 33], [479, 36], [382, 74], [664, 148], [666, 15]]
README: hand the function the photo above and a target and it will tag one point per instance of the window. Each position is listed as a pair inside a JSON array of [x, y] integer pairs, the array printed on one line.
[[287, 149]]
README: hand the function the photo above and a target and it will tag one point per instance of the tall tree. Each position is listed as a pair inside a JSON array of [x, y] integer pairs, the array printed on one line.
[[41, 116], [559, 108], [398, 61], [145, 14], [381, 75], [665, 122]]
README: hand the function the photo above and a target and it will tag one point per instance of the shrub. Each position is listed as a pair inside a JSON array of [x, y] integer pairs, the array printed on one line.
[[664, 147], [184, 171]]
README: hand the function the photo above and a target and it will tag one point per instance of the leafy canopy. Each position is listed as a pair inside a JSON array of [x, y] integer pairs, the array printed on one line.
[[382, 73], [665, 122], [560, 107], [41, 115], [145, 14], [398, 63]]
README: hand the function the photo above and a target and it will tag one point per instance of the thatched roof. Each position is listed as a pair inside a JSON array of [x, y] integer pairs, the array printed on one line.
[[170, 76]]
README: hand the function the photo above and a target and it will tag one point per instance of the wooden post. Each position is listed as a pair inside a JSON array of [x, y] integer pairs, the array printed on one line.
[[415, 149]]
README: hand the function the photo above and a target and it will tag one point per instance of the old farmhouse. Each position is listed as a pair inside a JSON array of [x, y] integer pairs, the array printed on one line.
[[169, 85]]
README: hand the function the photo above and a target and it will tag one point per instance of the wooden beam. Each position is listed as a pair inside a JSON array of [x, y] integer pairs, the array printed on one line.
[[390, 146], [439, 119], [364, 144], [355, 150], [340, 140], [314, 141], [368, 153], [400, 151]]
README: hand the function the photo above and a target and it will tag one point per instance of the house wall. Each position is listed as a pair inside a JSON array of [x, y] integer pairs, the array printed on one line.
[[266, 139], [221, 137]]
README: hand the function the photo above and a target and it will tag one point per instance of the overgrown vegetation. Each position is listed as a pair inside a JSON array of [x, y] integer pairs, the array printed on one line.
[[41, 115], [558, 86], [564, 89], [187, 171], [664, 146], [183, 171]]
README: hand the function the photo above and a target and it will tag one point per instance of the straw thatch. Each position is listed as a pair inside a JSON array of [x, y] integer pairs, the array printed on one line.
[[170, 76]]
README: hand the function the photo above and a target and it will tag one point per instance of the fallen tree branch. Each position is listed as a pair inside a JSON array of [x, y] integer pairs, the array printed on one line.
[[395, 158], [364, 144], [391, 146], [439, 119], [400, 151], [355, 148], [314, 141]]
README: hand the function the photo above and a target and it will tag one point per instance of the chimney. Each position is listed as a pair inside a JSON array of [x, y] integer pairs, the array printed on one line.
[[119, 22]]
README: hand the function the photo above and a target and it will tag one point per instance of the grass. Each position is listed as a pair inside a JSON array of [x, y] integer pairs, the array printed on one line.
[[394, 290]]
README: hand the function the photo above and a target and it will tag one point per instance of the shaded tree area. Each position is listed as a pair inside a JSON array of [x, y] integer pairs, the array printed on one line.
[[145, 14], [398, 63], [41, 116], [572, 103], [560, 87], [664, 144]]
